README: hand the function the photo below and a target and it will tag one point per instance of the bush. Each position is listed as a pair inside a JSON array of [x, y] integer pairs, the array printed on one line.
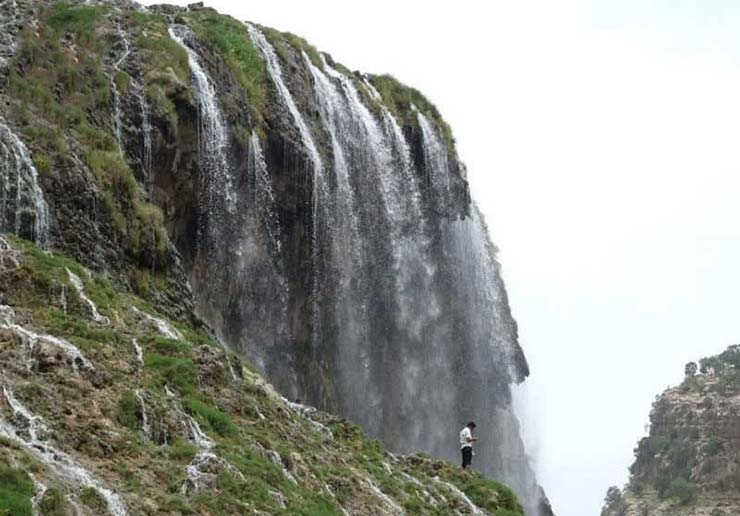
[[682, 491]]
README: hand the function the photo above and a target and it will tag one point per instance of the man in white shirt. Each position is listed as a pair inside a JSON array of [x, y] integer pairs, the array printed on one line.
[[466, 444]]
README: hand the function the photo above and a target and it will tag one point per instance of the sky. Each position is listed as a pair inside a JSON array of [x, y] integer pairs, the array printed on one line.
[[601, 139]]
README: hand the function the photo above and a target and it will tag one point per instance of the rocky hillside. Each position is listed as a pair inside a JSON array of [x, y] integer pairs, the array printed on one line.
[[317, 219], [689, 464], [107, 405]]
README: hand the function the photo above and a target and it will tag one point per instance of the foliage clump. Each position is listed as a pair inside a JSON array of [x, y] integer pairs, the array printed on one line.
[[230, 38], [400, 98], [16, 491]]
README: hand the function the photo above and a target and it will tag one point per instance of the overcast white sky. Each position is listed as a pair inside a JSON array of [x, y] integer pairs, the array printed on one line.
[[602, 144]]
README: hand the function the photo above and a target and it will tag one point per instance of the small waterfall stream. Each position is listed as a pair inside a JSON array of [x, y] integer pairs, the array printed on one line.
[[31, 341], [23, 210], [214, 137], [162, 326], [80, 288], [31, 433], [320, 197], [118, 61]]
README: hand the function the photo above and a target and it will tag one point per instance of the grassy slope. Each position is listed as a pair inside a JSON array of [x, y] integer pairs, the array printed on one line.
[[97, 418]]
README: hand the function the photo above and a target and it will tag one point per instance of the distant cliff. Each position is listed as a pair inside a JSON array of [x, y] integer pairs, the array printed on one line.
[[317, 219], [689, 464]]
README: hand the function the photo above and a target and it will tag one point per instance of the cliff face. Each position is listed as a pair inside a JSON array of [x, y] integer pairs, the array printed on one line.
[[317, 219], [688, 464]]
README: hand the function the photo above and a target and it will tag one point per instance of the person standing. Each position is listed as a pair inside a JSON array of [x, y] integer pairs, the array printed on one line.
[[466, 444]]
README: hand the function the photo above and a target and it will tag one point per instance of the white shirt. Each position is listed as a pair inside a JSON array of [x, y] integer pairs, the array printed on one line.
[[466, 437]]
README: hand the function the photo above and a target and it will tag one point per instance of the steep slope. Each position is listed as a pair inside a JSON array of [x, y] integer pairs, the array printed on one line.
[[688, 464], [317, 219], [107, 406]]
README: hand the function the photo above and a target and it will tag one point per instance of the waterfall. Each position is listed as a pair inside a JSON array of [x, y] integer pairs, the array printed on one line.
[[139, 353], [263, 201], [32, 434], [146, 131], [23, 210], [162, 326], [146, 430], [80, 288], [215, 163], [320, 192], [117, 63], [436, 162], [31, 342]]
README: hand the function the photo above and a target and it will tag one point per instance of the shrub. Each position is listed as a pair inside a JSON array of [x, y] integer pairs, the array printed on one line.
[[682, 491]]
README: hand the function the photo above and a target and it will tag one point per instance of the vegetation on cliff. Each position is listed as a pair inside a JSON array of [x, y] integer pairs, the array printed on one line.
[[685, 464], [60, 88], [160, 414]]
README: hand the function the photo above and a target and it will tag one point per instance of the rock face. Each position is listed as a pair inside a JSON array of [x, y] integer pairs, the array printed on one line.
[[317, 219], [689, 465]]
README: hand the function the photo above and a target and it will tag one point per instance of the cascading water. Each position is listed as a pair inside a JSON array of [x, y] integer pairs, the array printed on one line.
[[118, 62], [239, 256], [406, 327], [23, 210], [32, 340], [80, 288], [215, 164], [162, 326], [31, 433], [320, 194]]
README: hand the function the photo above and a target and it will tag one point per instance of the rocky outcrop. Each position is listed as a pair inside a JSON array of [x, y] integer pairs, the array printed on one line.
[[689, 463]]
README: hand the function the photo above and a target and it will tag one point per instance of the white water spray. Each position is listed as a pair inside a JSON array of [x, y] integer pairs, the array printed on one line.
[[80, 288], [23, 210], [31, 432]]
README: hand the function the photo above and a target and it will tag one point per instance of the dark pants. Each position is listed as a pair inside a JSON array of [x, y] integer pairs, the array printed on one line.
[[467, 456]]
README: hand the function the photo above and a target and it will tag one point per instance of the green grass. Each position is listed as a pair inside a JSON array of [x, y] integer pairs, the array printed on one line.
[[128, 410], [220, 422], [178, 373], [223, 412], [53, 503], [63, 16], [181, 451], [398, 98], [231, 40], [279, 40], [94, 500], [16, 491], [59, 95]]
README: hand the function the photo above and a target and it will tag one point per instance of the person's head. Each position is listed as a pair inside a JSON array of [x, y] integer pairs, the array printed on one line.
[[471, 425]]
